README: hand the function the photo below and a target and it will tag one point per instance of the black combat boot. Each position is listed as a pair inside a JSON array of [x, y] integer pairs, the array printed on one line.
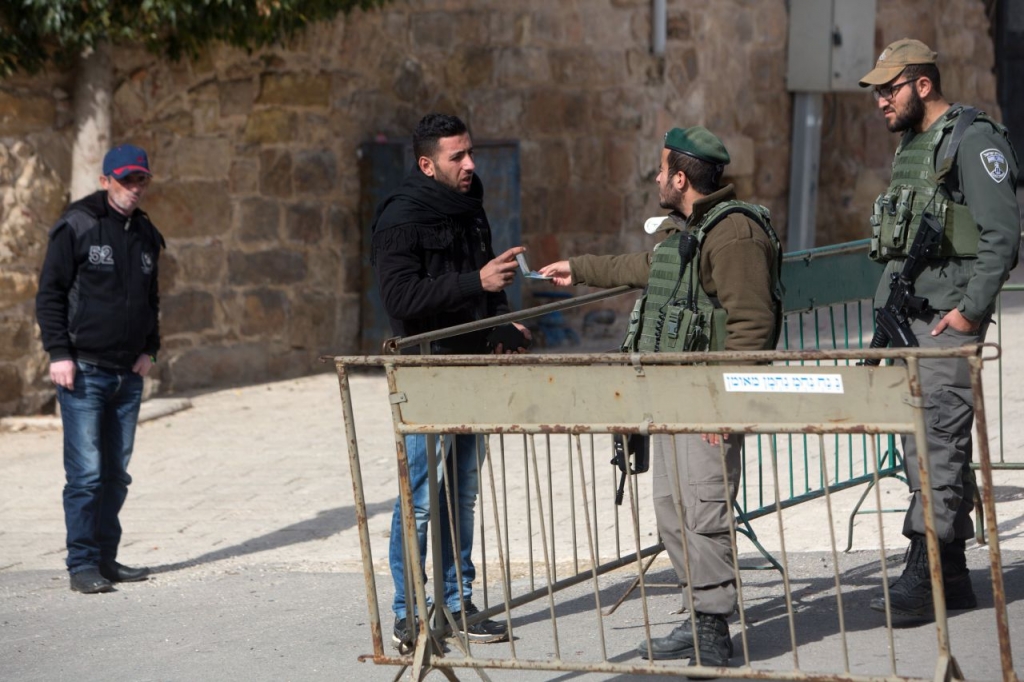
[[956, 577], [679, 642], [911, 593], [713, 643]]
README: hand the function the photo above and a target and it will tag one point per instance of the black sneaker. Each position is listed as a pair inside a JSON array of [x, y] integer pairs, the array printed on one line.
[[484, 632], [404, 640]]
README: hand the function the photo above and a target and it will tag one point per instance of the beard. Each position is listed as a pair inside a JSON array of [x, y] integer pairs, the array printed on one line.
[[911, 117], [670, 198]]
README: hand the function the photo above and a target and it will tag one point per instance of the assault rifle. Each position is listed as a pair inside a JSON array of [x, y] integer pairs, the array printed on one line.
[[624, 446], [892, 321]]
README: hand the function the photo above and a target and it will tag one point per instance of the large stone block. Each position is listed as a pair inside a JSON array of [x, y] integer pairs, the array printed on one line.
[[16, 286], [200, 263], [771, 178], [16, 330], [169, 270], [312, 320], [555, 111], [236, 97], [25, 113], [470, 68], [266, 267], [616, 110], [259, 220], [276, 173], [186, 312], [11, 385], [342, 227], [586, 66], [265, 313], [207, 366], [244, 177], [679, 26], [305, 222], [741, 155], [315, 172], [129, 105], [295, 89], [519, 67], [204, 158], [408, 83], [587, 156], [545, 162], [494, 112], [271, 126], [189, 209]]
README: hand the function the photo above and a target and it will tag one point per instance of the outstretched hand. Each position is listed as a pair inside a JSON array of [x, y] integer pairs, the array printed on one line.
[[500, 272], [560, 273]]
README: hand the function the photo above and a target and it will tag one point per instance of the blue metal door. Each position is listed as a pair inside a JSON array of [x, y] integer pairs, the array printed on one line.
[[382, 165]]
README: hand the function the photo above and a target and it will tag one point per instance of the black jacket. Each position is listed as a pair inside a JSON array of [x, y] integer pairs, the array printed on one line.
[[429, 244], [98, 299]]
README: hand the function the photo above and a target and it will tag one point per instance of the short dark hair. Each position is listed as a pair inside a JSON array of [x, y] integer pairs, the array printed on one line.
[[432, 128], [703, 175], [929, 71]]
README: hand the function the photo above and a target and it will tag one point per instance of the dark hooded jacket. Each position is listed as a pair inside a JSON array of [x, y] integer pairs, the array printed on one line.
[[429, 243], [98, 300]]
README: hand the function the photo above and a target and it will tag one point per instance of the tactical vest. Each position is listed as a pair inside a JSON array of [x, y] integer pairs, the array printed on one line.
[[675, 314], [918, 186]]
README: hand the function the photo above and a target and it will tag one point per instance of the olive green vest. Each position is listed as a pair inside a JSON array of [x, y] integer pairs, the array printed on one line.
[[918, 186], [675, 314]]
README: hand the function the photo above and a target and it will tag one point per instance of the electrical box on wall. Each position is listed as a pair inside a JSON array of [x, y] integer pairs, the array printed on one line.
[[831, 44]]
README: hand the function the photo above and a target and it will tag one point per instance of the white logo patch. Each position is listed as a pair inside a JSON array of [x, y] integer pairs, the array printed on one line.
[[147, 263], [995, 164], [101, 255]]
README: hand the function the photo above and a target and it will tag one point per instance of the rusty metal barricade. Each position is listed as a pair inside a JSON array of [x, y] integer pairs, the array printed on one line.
[[585, 397]]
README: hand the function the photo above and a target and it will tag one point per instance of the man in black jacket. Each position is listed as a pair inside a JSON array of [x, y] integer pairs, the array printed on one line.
[[97, 308], [435, 268]]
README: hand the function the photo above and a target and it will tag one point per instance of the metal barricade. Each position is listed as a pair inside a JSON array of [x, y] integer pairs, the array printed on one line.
[[533, 401]]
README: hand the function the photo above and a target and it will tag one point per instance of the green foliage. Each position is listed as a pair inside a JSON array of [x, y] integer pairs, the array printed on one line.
[[33, 32]]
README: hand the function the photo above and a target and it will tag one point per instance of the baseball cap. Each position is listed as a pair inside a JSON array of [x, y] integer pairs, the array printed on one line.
[[124, 160], [896, 57], [698, 142]]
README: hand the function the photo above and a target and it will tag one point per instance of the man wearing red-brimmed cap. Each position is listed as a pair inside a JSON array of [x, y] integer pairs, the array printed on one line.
[[956, 164], [98, 307]]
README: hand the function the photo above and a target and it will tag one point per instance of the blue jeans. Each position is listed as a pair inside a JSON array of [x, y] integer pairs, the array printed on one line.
[[463, 467], [99, 417]]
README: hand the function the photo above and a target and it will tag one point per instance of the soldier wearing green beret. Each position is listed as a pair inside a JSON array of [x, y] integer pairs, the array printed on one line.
[[711, 284], [957, 164]]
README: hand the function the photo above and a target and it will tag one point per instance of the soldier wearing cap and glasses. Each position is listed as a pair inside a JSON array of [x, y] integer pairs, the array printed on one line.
[[713, 283], [957, 164], [97, 309]]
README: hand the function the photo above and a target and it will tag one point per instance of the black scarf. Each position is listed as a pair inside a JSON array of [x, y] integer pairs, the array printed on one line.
[[422, 200]]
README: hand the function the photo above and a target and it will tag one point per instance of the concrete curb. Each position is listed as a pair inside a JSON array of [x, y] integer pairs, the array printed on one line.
[[151, 409]]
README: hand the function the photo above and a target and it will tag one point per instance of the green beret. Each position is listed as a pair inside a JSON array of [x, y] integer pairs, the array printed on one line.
[[698, 142]]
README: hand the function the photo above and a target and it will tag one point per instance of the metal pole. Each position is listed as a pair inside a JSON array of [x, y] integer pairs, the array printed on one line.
[[659, 28], [805, 161]]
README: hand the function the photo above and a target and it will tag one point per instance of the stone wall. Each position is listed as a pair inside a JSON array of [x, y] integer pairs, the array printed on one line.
[[257, 187]]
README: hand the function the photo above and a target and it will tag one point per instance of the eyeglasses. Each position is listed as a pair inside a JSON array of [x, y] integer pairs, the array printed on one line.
[[887, 92], [134, 180]]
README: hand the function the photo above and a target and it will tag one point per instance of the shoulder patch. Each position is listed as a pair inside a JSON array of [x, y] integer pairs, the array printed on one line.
[[995, 164]]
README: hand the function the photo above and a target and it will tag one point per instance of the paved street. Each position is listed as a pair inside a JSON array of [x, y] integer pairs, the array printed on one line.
[[242, 504]]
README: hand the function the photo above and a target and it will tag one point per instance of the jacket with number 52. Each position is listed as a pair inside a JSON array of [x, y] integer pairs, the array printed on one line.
[[98, 300]]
